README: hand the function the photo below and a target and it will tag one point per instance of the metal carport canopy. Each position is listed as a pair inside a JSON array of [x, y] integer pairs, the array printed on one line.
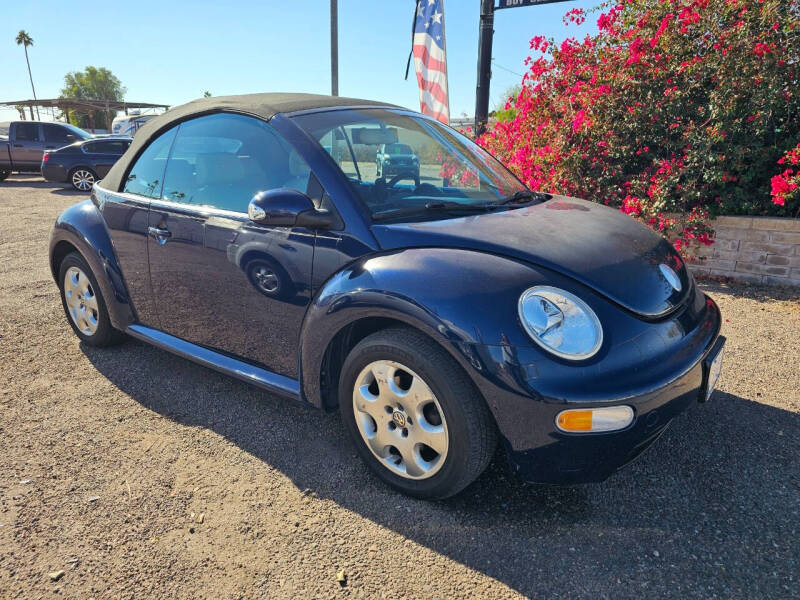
[[81, 104]]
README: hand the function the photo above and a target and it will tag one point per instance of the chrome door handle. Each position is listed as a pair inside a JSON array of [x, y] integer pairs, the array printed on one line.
[[159, 235]]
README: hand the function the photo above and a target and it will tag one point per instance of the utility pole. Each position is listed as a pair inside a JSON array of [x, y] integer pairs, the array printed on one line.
[[484, 65], [485, 54], [334, 48]]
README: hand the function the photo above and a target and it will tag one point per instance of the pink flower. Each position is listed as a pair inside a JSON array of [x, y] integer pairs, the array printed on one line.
[[761, 49], [580, 118], [664, 22]]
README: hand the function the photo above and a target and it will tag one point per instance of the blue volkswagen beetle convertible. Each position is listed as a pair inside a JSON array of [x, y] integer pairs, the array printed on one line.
[[442, 309]]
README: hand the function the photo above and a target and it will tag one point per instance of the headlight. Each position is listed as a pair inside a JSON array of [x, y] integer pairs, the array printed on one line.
[[560, 322]]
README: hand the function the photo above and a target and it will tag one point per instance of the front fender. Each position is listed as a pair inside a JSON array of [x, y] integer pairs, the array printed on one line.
[[458, 297], [82, 227]]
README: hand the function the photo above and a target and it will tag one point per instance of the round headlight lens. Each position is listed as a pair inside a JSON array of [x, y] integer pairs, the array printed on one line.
[[560, 322]]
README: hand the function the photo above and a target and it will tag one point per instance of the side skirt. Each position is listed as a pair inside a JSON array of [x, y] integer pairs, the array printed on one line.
[[267, 380]]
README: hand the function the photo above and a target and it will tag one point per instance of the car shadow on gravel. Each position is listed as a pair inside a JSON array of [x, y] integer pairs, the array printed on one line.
[[60, 189], [709, 508]]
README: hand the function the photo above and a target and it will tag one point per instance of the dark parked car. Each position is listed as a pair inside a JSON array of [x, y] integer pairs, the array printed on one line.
[[84, 162], [437, 318], [396, 159], [23, 143]]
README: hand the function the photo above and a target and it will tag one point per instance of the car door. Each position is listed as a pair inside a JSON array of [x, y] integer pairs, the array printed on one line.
[[126, 213], [27, 145], [220, 280], [56, 136]]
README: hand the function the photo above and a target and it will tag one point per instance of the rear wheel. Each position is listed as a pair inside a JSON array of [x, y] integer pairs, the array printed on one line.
[[84, 304], [415, 417], [82, 179]]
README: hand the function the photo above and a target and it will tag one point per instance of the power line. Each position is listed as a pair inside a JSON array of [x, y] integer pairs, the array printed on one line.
[[499, 66]]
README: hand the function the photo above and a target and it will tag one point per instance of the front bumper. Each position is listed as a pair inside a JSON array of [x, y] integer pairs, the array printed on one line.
[[526, 402], [582, 458], [394, 169]]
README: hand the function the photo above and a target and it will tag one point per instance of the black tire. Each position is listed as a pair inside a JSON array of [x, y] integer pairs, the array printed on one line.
[[4, 175], [72, 183], [472, 434], [283, 286], [105, 334]]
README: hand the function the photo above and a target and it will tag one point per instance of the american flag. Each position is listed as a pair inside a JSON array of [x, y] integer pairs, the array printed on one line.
[[430, 59]]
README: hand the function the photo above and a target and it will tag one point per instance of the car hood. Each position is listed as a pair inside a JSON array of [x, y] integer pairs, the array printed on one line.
[[591, 243]]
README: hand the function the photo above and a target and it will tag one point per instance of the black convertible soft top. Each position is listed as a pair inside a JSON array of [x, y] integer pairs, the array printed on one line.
[[264, 106]]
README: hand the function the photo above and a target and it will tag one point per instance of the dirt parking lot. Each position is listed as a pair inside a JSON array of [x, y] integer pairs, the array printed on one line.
[[142, 475]]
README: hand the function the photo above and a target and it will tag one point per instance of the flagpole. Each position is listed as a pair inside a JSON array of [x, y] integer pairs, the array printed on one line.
[[447, 71]]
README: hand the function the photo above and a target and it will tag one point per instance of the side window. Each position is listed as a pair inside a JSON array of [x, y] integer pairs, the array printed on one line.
[[106, 148], [147, 174], [115, 147], [55, 134], [223, 160], [27, 132], [90, 148]]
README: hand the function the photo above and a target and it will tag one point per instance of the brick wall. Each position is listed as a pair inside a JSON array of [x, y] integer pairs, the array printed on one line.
[[754, 249]]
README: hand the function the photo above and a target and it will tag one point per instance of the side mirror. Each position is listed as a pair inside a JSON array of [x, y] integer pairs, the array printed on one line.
[[287, 207]]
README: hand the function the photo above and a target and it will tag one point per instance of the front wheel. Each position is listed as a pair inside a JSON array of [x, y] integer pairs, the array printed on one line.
[[415, 417], [84, 304]]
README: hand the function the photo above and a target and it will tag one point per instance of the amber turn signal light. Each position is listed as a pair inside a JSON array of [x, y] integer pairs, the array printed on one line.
[[594, 420]]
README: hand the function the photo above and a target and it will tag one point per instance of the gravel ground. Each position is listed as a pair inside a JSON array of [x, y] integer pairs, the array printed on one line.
[[141, 475]]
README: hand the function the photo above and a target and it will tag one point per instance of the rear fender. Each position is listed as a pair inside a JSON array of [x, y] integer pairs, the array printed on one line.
[[82, 227]]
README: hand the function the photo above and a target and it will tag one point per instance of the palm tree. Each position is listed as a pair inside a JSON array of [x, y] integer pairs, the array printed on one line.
[[25, 40]]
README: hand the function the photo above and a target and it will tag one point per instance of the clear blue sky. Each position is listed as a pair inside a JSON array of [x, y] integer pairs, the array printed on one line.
[[170, 51]]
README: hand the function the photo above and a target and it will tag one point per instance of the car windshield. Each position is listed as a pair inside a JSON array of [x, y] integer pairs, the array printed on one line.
[[404, 165], [398, 149]]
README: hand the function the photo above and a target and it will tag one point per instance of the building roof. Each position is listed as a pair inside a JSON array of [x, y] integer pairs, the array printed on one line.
[[264, 106]]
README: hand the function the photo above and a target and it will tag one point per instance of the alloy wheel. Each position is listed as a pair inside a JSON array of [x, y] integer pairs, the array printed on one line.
[[83, 180], [81, 301], [400, 419]]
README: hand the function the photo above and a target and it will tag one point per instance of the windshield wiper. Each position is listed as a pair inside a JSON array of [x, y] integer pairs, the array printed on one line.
[[436, 206], [522, 196]]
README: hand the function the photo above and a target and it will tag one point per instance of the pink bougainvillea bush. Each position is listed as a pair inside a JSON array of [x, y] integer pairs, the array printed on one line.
[[786, 184], [674, 111]]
